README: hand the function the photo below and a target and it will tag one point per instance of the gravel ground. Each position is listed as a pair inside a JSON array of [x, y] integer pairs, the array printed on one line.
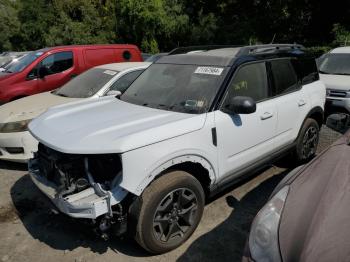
[[31, 232]]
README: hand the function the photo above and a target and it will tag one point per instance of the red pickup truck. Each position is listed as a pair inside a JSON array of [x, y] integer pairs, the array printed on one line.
[[49, 68]]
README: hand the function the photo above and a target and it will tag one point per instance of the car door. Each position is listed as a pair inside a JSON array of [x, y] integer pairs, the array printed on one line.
[[60, 69], [291, 100], [245, 139]]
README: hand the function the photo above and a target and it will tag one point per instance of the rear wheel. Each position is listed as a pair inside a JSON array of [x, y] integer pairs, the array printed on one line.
[[307, 141], [168, 212]]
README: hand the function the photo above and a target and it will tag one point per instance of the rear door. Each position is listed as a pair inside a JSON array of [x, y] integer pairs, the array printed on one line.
[[60, 68], [291, 101], [244, 140]]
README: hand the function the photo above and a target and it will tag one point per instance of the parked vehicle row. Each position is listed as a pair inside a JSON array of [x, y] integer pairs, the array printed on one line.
[[138, 148], [189, 126], [50, 68]]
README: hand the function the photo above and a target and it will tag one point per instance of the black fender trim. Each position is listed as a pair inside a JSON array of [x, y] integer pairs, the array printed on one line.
[[314, 110]]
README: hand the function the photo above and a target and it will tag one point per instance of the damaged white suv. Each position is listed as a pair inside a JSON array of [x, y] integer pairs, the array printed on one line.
[[189, 126]]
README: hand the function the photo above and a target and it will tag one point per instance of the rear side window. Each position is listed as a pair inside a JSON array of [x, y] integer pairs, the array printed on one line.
[[250, 80], [307, 70], [284, 76], [125, 81], [58, 62]]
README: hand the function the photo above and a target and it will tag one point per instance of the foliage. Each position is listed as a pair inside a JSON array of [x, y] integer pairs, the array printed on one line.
[[317, 51], [342, 35], [161, 25], [35, 18], [9, 25], [149, 23], [82, 22]]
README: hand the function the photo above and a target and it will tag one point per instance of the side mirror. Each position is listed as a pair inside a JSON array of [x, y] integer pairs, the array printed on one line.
[[242, 105], [115, 93], [338, 122], [42, 72]]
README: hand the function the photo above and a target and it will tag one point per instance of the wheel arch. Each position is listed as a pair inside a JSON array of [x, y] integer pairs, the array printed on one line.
[[316, 113], [195, 165]]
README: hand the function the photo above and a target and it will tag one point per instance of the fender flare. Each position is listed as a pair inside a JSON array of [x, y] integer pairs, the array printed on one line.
[[316, 109], [177, 160]]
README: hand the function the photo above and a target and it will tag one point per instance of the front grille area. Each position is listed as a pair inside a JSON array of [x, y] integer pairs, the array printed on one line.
[[67, 171]]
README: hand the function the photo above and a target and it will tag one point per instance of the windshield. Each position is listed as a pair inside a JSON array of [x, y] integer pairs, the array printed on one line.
[[23, 62], [335, 64], [87, 84], [180, 88]]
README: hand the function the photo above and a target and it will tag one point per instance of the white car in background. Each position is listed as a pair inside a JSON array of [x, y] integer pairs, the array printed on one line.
[[16, 143], [334, 69]]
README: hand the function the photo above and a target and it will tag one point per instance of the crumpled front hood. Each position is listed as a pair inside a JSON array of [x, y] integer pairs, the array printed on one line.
[[315, 224], [30, 107], [109, 125], [337, 82]]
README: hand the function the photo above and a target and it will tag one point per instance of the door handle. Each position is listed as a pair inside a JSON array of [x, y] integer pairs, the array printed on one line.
[[301, 103], [266, 115]]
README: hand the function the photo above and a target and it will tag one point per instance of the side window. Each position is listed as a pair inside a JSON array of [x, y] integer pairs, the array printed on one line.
[[125, 81], [58, 62], [284, 76], [307, 70], [251, 81]]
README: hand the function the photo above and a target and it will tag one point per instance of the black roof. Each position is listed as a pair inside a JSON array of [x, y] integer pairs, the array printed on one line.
[[225, 55]]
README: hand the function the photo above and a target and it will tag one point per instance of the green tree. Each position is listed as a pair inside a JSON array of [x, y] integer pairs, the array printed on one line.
[[82, 22], [341, 34], [151, 23], [9, 25], [35, 18]]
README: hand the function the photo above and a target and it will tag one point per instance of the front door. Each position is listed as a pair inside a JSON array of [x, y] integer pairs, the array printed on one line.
[[243, 140], [60, 69]]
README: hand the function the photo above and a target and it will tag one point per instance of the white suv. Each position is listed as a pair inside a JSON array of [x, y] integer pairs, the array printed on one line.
[[189, 126], [334, 68]]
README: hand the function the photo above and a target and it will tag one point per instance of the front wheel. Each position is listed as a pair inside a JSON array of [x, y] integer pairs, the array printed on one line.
[[168, 212], [307, 141]]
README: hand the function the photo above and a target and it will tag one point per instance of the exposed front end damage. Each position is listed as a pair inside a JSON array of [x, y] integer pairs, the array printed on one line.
[[82, 186]]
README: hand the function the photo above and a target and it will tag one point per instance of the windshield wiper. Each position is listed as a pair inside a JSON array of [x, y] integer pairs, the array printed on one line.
[[59, 94], [323, 72], [342, 74]]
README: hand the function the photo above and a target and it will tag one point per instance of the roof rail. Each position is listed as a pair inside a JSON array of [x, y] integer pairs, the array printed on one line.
[[187, 49], [269, 48]]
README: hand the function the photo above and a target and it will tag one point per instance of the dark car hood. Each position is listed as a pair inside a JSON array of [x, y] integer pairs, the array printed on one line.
[[315, 224]]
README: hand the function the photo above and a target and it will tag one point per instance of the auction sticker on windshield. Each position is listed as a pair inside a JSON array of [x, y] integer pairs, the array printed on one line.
[[110, 72], [209, 70]]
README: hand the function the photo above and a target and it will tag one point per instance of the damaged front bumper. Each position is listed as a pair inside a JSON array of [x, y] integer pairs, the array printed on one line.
[[85, 204]]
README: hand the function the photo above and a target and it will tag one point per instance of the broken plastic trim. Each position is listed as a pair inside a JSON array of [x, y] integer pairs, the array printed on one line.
[[97, 187], [85, 204]]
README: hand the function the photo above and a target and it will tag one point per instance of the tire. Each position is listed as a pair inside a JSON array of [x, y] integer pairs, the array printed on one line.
[[160, 209], [307, 141]]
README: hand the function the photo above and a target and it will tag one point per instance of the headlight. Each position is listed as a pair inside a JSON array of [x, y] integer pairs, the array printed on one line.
[[263, 239], [12, 127]]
